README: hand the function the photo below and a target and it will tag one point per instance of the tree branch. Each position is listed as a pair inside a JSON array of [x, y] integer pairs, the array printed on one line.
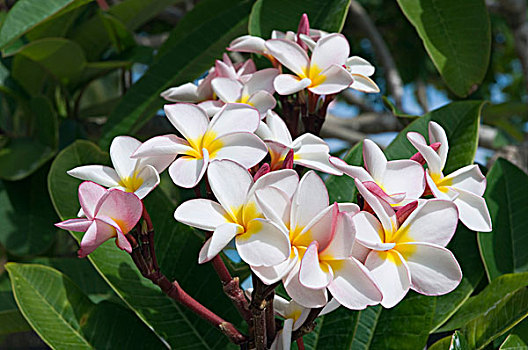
[[392, 75]]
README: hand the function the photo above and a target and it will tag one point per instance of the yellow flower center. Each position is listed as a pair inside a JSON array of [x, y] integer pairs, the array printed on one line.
[[441, 182], [313, 72], [207, 141], [131, 183]]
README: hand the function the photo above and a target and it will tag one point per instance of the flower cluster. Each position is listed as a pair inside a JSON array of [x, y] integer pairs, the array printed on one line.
[[282, 224]]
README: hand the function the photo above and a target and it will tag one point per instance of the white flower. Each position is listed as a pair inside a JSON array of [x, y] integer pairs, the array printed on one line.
[[464, 186], [229, 135], [130, 175]]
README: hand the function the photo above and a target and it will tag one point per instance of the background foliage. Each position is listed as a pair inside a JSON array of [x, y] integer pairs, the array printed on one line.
[[74, 74]]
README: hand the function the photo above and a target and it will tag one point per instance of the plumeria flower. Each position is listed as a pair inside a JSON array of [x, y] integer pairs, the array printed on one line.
[[321, 237], [109, 213], [464, 186], [202, 91], [398, 182], [259, 242], [322, 74], [229, 135], [139, 176], [294, 316], [309, 150], [256, 92], [408, 249]]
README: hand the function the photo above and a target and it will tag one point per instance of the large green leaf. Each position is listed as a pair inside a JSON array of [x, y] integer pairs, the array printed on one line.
[[457, 37], [177, 250], [499, 318], [199, 42], [457, 341], [503, 250], [26, 14], [11, 320], [286, 15], [65, 318], [27, 215], [485, 300], [62, 58], [22, 156]]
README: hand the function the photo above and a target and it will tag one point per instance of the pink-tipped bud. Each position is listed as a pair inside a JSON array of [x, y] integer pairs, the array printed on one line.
[[304, 28], [288, 160], [263, 170], [405, 211], [417, 157]]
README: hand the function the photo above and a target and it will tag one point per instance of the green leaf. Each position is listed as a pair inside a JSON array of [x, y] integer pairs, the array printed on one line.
[[65, 318], [62, 58], [513, 342], [11, 320], [286, 15], [503, 249], [482, 303], [498, 319], [177, 249], [20, 157], [199, 41], [459, 45], [26, 14], [27, 215]]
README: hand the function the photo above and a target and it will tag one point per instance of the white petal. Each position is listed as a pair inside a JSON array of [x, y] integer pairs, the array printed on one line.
[[473, 211], [336, 79], [353, 286], [355, 172], [285, 180], [404, 176], [312, 274], [211, 107], [230, 184], [438, 134], [278, 128], [383, 210], [369, 231], [100, 174], [247, 43], [190, 120], [187, 92], [228, 90], [225, 69], [391, 273], [358, 65], [321, 228], [375, 160], [235, 117], [201, 213], [262, 80], [364, 84], [187, 171], [162, 146], [150, 179], [309, 200], [434, 269], [433, 160], [330, 50], [220, 238], [434, 221], [272, 274], [310, 298], [263, 101], [312, 152], [283, 339], [121, 149], [449, 195], [263, 244], [330, 306], [468, 178], [289, 54], [340, 246], [275, 205], [205, 91], [242, 147], [287, 84], [160, 163]]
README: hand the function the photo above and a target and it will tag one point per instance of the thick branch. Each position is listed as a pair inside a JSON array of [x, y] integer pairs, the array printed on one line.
[[392, 76]]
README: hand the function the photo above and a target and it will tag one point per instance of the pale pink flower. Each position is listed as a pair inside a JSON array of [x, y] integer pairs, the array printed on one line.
[[109, 214]]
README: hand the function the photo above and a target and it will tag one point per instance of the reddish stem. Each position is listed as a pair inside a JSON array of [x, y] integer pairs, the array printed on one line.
[[300, 343]]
